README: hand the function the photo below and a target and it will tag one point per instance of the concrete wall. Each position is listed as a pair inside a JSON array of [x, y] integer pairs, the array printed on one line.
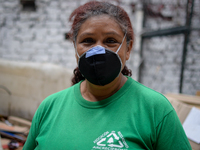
[[28, 84]]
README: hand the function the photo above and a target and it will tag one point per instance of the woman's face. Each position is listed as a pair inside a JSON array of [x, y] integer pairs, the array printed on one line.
[[102, 30]]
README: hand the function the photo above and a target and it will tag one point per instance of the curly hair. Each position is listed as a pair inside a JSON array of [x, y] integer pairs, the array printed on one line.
[[96, 8]]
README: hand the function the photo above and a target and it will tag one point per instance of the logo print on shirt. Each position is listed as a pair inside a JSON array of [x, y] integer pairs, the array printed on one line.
[[110, 140]]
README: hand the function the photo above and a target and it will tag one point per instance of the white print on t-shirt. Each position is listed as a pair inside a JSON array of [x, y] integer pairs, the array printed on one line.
[[111, 141]]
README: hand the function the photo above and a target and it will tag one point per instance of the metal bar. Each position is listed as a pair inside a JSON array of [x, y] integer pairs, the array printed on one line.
[[186, 40], [169, 31], [141, 43], [195, 28], [163, 32]]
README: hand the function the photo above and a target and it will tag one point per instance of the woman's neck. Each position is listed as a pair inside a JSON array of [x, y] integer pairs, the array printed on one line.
[[94, 93]]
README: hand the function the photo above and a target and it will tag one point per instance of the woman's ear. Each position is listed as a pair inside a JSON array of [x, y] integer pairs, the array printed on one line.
[[129, 48]]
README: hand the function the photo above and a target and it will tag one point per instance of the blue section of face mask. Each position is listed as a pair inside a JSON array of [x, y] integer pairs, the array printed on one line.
[[95, 50]]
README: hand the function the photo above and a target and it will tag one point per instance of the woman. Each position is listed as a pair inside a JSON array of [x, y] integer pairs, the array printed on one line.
[[105, 108]]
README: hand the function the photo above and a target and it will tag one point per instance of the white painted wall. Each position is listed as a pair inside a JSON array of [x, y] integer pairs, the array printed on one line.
[[29, 83]]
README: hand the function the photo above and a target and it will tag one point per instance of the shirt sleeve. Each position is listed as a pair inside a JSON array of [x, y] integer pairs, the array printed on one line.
[[170, 134], [31, 142]]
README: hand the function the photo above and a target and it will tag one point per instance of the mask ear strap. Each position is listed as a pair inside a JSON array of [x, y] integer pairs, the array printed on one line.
[[121, 44], [76, 50]]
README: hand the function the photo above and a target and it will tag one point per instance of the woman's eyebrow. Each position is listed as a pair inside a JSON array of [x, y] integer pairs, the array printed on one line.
[[107, 33], [113, 33], [86, 34]]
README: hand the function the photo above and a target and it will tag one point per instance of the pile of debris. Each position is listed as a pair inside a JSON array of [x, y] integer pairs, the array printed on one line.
[[13, 131]]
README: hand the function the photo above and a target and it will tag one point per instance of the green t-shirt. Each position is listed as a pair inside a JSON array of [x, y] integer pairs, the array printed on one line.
[[135, 117]]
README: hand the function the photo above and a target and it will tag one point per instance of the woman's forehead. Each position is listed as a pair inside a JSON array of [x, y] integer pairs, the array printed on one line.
[[102, 23]]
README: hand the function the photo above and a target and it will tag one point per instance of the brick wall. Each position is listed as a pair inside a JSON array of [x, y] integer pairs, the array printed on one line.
[[163, 55], [37, 36], [162, 62], [192, 69]]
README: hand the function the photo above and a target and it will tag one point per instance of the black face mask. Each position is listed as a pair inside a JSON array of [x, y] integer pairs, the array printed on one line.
[[99, 65]]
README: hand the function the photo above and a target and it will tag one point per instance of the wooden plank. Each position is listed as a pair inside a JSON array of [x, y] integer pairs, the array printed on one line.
[[12, 136], [14, 129], [198, 93], [19, 121], [189, 99]]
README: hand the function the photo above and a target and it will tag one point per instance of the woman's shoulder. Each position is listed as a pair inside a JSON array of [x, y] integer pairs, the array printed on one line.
[[54, 102], [58, 97], [58, 94], [151, 102], [147, 93], [150, 97]]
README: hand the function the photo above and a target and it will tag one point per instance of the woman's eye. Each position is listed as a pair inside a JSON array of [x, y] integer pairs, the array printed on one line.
[[88, 40], [111, 41]]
